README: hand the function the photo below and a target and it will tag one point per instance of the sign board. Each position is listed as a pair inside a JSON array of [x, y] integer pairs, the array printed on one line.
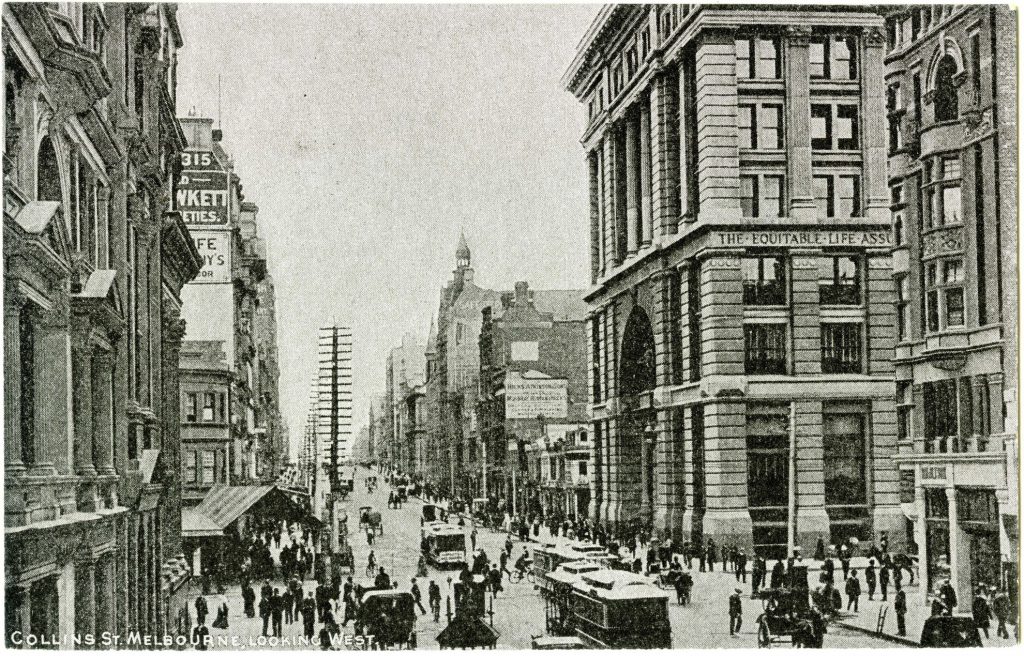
[[215, 250], [804, 238], [931, 473], [202, 194], [532, 394]]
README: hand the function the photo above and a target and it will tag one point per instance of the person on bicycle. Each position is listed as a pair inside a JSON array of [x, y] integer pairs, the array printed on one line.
[[522, 563]]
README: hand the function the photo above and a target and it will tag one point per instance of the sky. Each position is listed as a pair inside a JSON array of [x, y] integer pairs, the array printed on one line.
[[370, 136]]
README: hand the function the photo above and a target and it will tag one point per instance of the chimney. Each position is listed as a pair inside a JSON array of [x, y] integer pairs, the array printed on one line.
[[522, 293], [218, 134]]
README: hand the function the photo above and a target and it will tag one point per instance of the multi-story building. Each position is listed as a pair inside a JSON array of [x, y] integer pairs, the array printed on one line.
[[533, 385], [206, 445], [459, 320], [742, 328], [404, 400], [558, 472], [233, 298], [95, 256], [950, 75]]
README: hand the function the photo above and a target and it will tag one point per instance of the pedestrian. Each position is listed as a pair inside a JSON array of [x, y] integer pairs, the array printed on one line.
[[202, 610], [829, 569], [322, 600], [819, 549], [276, 611], [221, 621], [844, 562], [308, 616], [778, 574], [897, 578], [740, 562], [948, 595], [472, 539], [287, 600], [417, 597], [853, 592], [248, 599], [1001, 610], [371, 564], [711, 555], [369, 536], [494, 578], [735, 612], [871, 578], [265, 614], [981, 611], [900, 606], [503, 559], [883, 582], [382, 581], [200, 636], [756, 575], [508, 545], [680, 591]]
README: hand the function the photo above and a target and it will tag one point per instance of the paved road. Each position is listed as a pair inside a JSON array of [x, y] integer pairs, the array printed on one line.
[[518, 611]]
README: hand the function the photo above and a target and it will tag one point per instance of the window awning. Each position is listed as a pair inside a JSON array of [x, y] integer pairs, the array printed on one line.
[[198, 525], [224, 504]]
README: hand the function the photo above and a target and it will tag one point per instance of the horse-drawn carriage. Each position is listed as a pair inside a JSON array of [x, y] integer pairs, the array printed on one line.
[[389, 616], [345, 560], [369, 519], [789, 615]]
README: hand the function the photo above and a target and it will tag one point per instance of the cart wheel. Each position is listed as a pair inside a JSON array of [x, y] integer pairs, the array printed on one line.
[[764, 636]]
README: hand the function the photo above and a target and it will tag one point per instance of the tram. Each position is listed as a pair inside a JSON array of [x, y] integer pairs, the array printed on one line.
[[549, 555], [557, 592], [443, 544], [612, 609]]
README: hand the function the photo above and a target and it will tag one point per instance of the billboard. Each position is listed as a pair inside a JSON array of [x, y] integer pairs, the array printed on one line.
[[202, 194], [215, 250], [531, 394]]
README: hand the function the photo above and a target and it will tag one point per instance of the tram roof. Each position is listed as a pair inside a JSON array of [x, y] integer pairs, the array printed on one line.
[[617, 584]]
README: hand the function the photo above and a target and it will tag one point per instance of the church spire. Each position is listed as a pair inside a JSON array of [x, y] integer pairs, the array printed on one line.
[[462, 252]]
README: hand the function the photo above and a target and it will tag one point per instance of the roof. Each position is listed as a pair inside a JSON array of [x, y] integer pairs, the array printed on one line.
[[432, 338], [564, 304], [617, 584]]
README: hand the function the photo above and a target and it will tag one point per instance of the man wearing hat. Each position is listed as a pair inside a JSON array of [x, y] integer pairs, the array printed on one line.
[[735, 612]]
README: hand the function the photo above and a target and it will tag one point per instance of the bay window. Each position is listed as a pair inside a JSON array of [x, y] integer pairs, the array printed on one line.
[[944, 294]]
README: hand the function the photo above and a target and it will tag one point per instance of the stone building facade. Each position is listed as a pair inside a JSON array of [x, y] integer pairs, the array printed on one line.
[[95, 256], [742, 325], [205, 380], [950, 75], [533, 387]]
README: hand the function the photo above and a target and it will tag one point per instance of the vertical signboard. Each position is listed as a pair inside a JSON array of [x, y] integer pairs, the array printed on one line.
[[202, 195], [215, 250]]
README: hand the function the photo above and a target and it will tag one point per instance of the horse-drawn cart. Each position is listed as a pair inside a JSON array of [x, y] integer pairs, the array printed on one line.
[[789, 615], [369, 519]]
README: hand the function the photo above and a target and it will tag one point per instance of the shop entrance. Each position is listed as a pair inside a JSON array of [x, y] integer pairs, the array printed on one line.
[[978, 516]]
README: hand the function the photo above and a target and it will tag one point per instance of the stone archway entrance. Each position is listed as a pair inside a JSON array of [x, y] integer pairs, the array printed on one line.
[[637, 378]]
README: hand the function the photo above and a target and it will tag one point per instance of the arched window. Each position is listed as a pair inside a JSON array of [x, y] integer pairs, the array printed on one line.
[[947, 106], [47, 172]]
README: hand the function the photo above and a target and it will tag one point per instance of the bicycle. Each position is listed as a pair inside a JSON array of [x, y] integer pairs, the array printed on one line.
[[516, 575]]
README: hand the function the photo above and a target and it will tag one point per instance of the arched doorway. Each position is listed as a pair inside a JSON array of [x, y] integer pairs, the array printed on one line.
[[637, 375]]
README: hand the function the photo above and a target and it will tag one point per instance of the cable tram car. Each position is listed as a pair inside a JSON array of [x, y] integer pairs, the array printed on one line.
[[620, 610], [556, 590], [443, 544]]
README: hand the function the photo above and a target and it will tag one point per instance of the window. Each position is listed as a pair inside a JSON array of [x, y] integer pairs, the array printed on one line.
[[209, 467], [761, 196], [767, 455], [951, 205], [841, 348], [460, 333], [583, 467], [191, 467], [695, 307], [839, 280], [645, 43], [631, 62], [894, 116], [757, 58], [760, 126], [595, 349], [976, 68], [833, 58], [764, 348], [941, 420], [834, 127], [837, 196], [617, 80], [27, 382], [903, 307], [209, 406], [947, 105], [764, 280], [944, 296], [904, 411], [191, 406], [844, 459]]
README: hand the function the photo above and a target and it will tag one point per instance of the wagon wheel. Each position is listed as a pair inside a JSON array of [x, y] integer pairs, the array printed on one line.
[[764, 635]]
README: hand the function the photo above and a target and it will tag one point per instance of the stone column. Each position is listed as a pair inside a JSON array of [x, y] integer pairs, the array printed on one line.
[[718, 160], [102, 207], [726, 516], [664, 151], [798, 121], [995, 393], [873, 123], [13, 464], [670, 497], [646, 219], [81, 368], [954, 545], [53, 394], [812, 521], [806, 313], [173, 331], [102, 413], [609, 239], [978, 419], [682, 82], [632, 182], [19, 610], [85, 597], [593, 168], [105, 594], [67, 601], [921, 536]]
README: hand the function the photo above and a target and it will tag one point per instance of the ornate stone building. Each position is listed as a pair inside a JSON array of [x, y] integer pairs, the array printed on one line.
[[95, 256], [742, 325], [950, 77]]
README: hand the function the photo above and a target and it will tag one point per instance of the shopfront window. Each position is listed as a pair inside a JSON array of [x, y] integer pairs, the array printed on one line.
[[844, 460]]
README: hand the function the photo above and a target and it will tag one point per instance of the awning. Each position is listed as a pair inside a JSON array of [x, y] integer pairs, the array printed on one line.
[[198, 525], [224, 504]]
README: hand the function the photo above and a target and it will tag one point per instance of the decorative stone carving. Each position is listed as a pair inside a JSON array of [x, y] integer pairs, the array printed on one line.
[[947, 241], [953, 362], [723, 262], [977, 123], [799, 35], [874, 37], [805, 262]]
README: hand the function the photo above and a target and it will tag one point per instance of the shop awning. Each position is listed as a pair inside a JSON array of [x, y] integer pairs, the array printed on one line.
[[198, 525], [224, 504]]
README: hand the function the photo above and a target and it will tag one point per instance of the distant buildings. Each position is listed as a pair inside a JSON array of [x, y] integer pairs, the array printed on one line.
[[332, 427], [207, 447]]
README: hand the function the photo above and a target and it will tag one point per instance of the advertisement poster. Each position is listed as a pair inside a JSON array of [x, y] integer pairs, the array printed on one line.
[[202, 194]]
